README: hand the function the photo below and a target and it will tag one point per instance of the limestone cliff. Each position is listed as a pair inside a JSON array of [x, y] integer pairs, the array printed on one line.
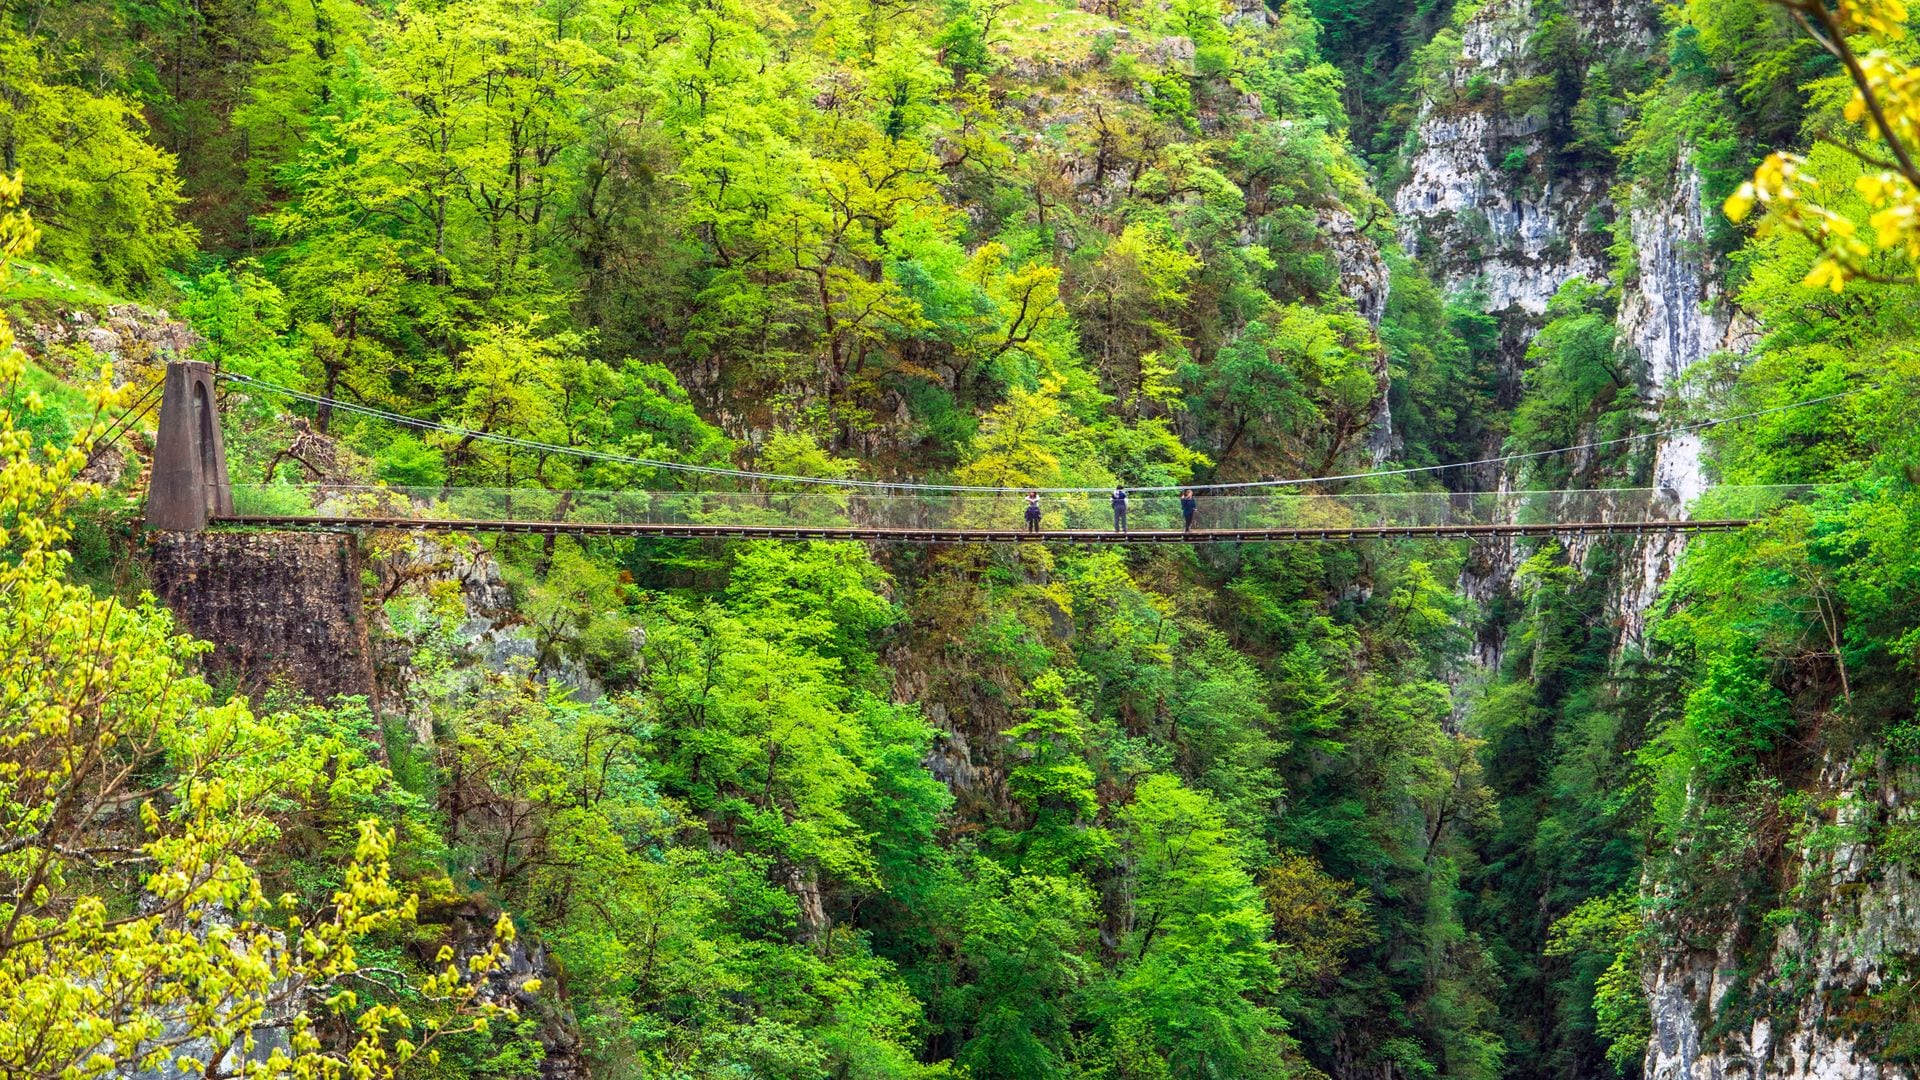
[[1673, 316], [1822, 986], [1486, 210], [1804, 972], [1482, 205]]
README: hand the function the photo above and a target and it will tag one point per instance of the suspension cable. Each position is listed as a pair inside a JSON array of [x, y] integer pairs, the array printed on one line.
[[882, 485], [124, 423]]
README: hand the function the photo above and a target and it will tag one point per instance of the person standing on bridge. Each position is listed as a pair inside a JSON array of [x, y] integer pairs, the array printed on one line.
[[1119, 509], [1033, 511], [1188, 504]]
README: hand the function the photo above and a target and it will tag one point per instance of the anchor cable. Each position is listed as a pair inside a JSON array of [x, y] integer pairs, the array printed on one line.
[[124, 423]]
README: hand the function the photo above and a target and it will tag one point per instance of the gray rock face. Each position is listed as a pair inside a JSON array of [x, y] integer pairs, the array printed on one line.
[[1802, 1009], [1515, 239], [1672, 312], [964, 755], [1365, 279], [1484, 215], [1510, 233], [130, 337], [1672, 315], [526, 962], [273, 1035], [488, 636], [1363, 272], [1514, 246], [1250, 12]]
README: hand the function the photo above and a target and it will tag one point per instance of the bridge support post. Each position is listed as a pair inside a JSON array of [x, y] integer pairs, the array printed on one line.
[[189, 484]]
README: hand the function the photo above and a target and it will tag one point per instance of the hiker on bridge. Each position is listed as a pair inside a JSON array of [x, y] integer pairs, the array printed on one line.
[[1033, 511], [1188, 504], [1119, 509]]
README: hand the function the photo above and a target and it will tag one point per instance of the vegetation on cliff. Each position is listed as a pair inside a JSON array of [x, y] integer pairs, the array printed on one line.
[[818, 810]]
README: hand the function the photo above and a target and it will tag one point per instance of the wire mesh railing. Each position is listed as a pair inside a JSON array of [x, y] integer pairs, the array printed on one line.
[[1077, 512]]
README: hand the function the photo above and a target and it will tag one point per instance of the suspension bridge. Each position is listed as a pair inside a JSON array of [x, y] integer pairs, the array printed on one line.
[[190, 490], [951, 519]]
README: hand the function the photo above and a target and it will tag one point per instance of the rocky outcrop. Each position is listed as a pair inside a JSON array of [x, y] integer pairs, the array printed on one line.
[[130, 337], [1364, 279], [967, 746], [1479, 205], [970, 707], [1822, 994], [277, 606], [526, 963], [1672, 316], [137, 342], [482, 634], [196, 1058], [1480, 209], [1672, 312], [1733, 995], [1512, 241], [1485, 212]]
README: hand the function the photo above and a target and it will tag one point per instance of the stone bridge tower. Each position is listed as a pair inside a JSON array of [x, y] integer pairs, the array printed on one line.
[[279, 607], [188, 485]]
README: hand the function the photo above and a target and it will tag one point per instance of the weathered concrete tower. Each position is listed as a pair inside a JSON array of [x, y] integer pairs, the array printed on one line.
[[188, 485], [279, 607]]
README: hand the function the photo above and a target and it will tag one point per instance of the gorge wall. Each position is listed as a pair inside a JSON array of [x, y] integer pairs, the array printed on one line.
[[1819, 996], [1493, 216], [1494, 213], [1489, 210], [1735, 993], [1482, 204]]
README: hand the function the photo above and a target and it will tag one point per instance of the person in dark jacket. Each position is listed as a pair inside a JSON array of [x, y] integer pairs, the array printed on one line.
[[1188, 504], [1033, 511], [1119, 509]]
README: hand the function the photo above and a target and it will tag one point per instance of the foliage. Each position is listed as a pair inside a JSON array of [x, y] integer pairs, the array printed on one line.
[[1580, 386], [1852, 238], [138, 931], [1611, 926], [106, 198], [812, 810]]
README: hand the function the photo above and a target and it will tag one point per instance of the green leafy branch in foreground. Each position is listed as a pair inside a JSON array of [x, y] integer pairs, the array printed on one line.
[[135, 932]]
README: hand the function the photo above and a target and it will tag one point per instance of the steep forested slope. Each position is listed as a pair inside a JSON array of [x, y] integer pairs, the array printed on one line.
[[1361, 810]]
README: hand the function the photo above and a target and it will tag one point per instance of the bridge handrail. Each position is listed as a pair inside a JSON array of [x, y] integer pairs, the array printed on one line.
[[919, 511]]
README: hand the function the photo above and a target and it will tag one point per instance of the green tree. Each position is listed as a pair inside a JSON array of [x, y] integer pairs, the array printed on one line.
[[1295, 390], [106, 199], [121, 776], [1188, 1001], [1054, 784], [1024, 953]]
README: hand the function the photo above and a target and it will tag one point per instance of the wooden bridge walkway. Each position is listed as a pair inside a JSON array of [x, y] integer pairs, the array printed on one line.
[[988, 536]]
